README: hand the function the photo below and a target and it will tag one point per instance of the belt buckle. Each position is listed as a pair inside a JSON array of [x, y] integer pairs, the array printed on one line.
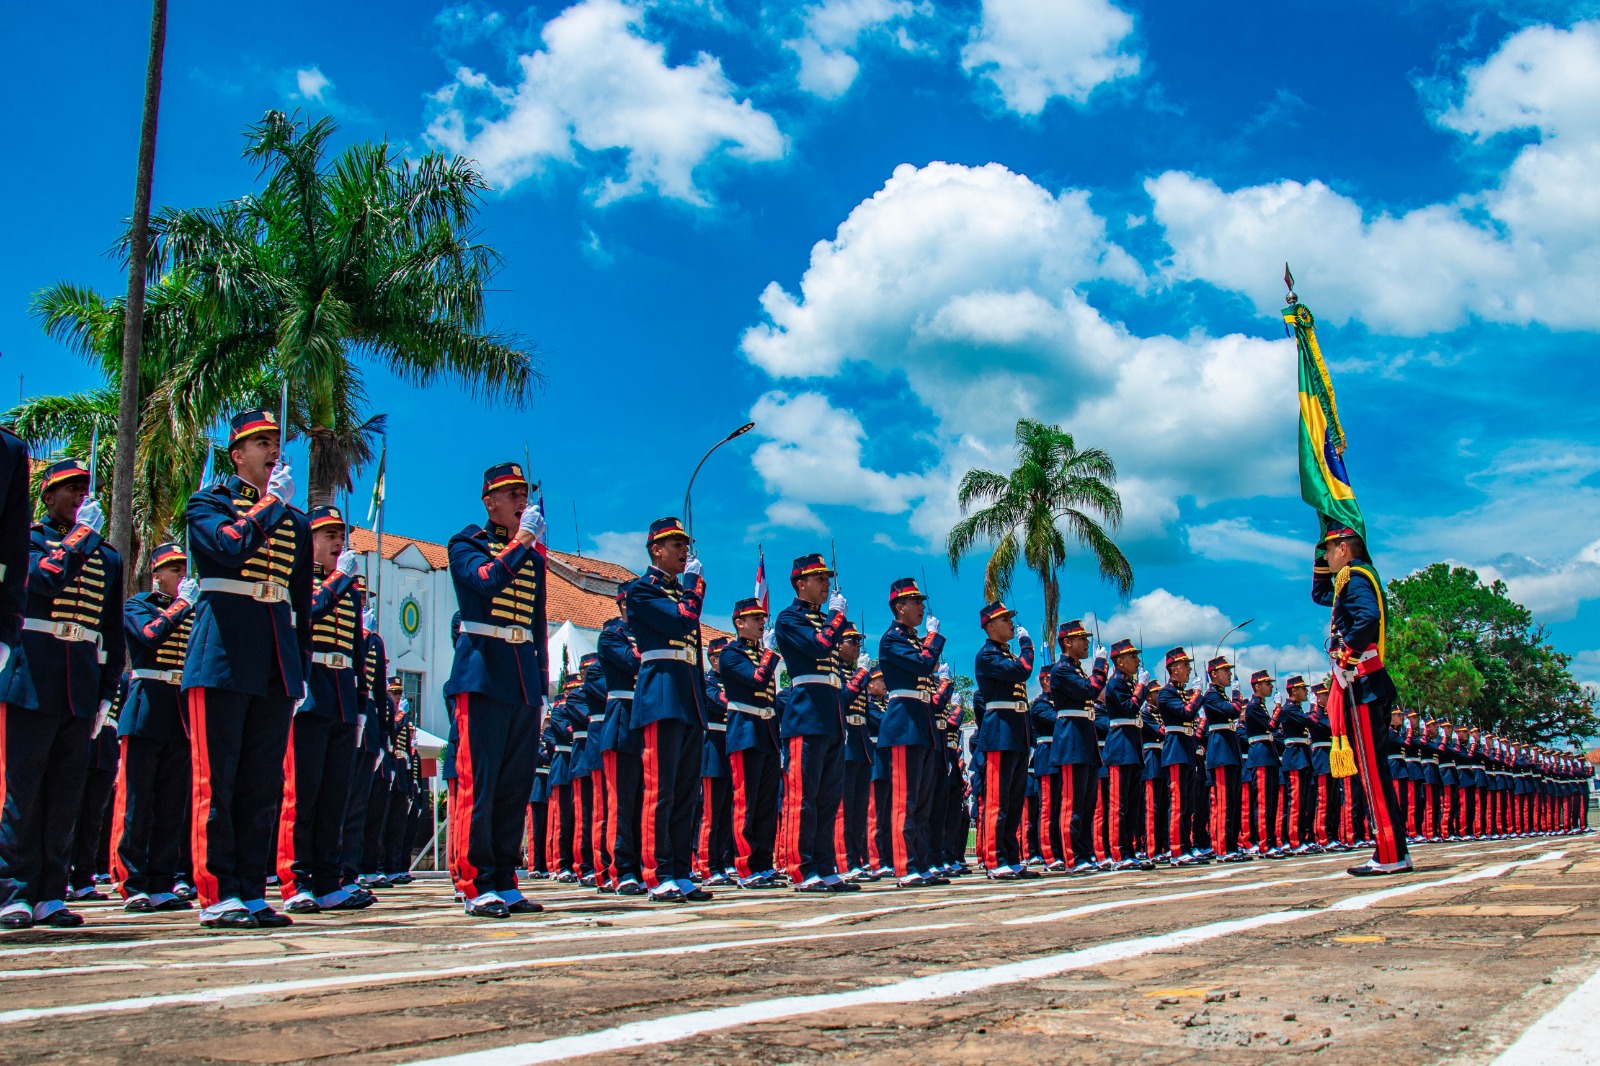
[[267, 592], [516, 635], [339, 661], [71, 631], [691, 656]]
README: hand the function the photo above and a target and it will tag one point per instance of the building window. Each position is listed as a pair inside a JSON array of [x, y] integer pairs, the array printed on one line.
[[411, 688]]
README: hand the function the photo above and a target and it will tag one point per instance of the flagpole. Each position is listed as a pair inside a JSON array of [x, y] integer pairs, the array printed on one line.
[[377, 582]]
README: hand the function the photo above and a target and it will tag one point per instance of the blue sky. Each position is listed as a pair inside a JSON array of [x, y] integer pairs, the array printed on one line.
[[886, 228]]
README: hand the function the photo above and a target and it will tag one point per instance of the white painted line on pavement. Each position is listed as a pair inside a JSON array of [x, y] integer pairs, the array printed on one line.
[[317, 984], [668, 1029], [1106, 905], [1569, 1033]]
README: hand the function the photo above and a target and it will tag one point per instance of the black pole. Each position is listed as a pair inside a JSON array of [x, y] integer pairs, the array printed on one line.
[[688, 508]]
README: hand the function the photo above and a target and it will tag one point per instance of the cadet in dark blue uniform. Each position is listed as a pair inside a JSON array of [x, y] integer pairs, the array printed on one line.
[[1295, 726], [533, 847], [90, 854], [749, 674], [906, 738], [372, 730], [1325, 815], [560, 723], [1262, 757], [1222, 759], [1042, 717], [1124, 754], [1004, 737], [322, 735], [1076, 745], [715, 848], [153, 791], [249, 656], [1178, 710], [1348, 585], [59, 686], [620, 747], [850, 837], [668, 708], [813, 725], [498, 685], [587, 703], [1155, 800]]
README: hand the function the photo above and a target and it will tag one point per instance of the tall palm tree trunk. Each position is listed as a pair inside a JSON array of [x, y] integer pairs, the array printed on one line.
[[133, 322]]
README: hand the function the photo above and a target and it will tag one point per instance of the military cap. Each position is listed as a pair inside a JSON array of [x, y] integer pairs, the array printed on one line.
[[1261, 675], [1073, 628], [1319, 688], [325, 516], [992, 611], [1336, 533], [749, 607], [905, 588], [395, 682], [1124, 647], [249, 423], [717, 644], [503, 476], [588, 658], [850, 632], [1176, 656], [1294, 681], [663, 528], [63, 471], [1219, 663], [168, 553], [807, 566]]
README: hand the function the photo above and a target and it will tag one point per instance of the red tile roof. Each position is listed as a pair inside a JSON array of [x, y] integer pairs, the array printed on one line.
[[566, 601]]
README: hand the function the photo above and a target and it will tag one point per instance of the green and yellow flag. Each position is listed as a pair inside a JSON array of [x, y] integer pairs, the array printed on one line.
[[1324, 484]]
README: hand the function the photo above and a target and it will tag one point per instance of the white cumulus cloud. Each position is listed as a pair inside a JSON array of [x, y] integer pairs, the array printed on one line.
[[1033, 51], [602, 94], [311, 84], [1525, 250], [812, 454], [832, 32], [1238, 540]]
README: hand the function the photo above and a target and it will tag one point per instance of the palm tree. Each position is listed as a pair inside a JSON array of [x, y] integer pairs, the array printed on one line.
[[366, 255], [1022, 514]]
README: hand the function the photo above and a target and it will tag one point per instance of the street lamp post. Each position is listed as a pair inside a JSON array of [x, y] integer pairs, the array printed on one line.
[[688, 508]]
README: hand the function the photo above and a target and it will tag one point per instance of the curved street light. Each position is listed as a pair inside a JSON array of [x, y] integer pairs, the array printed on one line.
[[688, 508]]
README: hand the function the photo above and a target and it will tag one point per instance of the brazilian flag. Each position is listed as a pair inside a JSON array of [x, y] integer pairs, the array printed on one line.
[[1324, 484]]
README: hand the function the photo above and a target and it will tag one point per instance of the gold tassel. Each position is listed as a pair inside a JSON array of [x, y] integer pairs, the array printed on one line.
[[1341, 759]]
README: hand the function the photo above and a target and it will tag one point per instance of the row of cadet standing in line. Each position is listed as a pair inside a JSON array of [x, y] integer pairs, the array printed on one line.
[[256, 738]]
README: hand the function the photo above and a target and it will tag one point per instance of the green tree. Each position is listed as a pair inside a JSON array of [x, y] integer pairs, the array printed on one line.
[[337, 259], [1447, 626], [1055, 493]]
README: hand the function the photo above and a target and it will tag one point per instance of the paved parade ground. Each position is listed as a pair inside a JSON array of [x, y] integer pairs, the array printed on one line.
[[1482, 955]]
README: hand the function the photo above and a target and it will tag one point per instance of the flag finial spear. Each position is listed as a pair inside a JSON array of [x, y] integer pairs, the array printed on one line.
[[1288, 283]]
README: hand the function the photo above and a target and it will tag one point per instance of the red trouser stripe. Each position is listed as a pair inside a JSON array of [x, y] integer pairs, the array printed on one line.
[[466, 874], [897, 825], [1296, 777], [840, 859], [205, 882], [119, 812], [741, 808], [1377, 803], [1114, 816], [1175, 799], [874, 857], [1048, 821], [651, 800], [1150, 816], [1219, 810], [599, 841], [702, 853], [286, 819], [608, 762], [1100, 801], [1320, 829], [991, 811]]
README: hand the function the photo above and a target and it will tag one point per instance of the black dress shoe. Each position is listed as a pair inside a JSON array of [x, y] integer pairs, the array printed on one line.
[[812, 886], [353, 902], [16, 920], [844, 886], [139, 905], [630, 888], [234, 919], [174, 904], [935, 879], [267, 918], [699, 895], [525, 906], [669, 894], [1026, 874], [61, 919], [492, 908], [303, 906]]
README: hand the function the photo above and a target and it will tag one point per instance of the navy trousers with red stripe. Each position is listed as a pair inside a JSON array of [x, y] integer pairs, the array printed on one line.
[[43, 759], [714, 849], [352, 836], [813, 787], [1079, 782], [237, 743], [1005, 789], [151, 795], [1369, 740], [854, 803], [624, 793], [671, 794], [89, 834], [913, 772], [316, 784], [495, 765], [755, 809], [1124, 816]]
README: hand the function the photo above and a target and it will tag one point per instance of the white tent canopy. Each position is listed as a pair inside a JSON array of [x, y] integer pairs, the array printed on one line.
[[428, 745], [574, 644]]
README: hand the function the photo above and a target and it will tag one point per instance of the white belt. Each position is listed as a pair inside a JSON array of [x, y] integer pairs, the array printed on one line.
[[260, 591], [564, 747], [1258, 739], [509, 634], [542, 770], [1005, 705], [1221, 727], [1182, 730], [1119, 722], [717, 727], [171, 677], [620, 694], [1074, 714], [333, 660], [751, 709], [1447, 766], [908, 694], [596, 719], [818, 679], [1322, 744], [580, 734], [677, 655], [855, 719], [1042, 740], [71, 632], [1411, 758], [1152, 747], [1297, 740], [1432, 760]]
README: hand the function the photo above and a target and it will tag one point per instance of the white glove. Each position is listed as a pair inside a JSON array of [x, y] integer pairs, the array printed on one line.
[[769, 639], [90, 514], [280, 484], [837, 604], [695, 568], [1022, 633], [346, 563], [944, 671], [5, 655], [933, 626], [533, 523], [189, 591], [864, 662], [100, 718], [369, 619]]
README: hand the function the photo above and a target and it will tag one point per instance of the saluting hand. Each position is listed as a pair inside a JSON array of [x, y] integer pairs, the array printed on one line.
[[1022, 635], [280, 484], [933, 626], [90, 514], [694, 567], [531, 529], [346, 563], [189, 591], [837, 604]]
